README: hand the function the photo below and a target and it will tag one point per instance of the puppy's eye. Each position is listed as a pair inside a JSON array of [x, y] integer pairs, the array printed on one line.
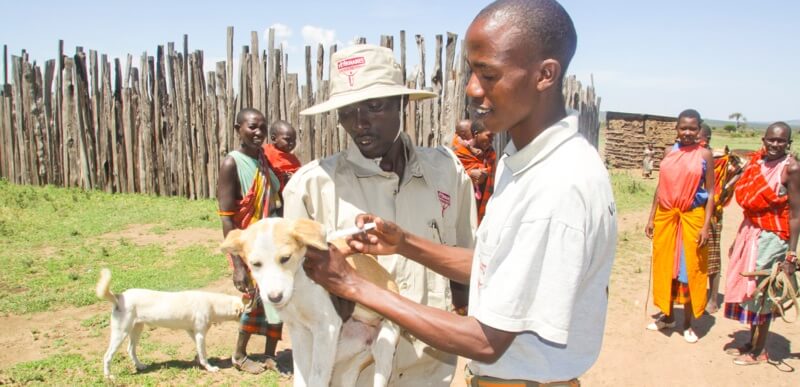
[[285, 259], [256, 264]]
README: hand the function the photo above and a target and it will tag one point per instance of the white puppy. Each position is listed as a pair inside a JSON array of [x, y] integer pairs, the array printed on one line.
[[193, 311], [325, 351]]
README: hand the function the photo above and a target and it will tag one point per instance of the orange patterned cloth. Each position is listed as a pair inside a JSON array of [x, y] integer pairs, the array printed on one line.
[[283, 164], [761, 204], [486, 161]]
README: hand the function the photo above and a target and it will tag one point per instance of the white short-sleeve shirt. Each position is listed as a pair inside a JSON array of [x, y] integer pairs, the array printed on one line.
[[543, 257]]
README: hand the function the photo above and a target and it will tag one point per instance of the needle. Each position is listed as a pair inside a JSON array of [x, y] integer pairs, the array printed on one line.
[[349, 231]]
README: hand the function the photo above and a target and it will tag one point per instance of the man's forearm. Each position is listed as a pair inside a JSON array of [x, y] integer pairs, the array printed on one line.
[[454, 263], [451, 333]]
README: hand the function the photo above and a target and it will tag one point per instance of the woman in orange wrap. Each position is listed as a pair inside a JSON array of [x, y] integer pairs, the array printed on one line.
[[679, 226]]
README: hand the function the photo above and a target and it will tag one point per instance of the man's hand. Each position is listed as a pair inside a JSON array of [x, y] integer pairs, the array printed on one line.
[[385, 239], [241, 278], [330, 270]]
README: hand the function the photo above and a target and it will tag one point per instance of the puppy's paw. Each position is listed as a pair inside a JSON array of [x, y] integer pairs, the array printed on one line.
[[109, 377], [212, 368], [141, 367]]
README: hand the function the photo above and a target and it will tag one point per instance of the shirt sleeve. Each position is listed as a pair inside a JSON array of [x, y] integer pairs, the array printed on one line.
[[531, 284], [295, 197]]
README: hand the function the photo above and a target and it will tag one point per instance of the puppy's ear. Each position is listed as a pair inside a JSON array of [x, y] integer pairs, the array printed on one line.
[[233, 243], [309, 233]]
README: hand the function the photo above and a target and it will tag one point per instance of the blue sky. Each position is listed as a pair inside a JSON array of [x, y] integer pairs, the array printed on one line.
[[646, 56]]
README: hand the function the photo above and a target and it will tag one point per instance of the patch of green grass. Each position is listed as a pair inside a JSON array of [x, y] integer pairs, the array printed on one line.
[[69, 277], [631, 192], [750, 140], [76, 370], [50, 253], [31, 216]]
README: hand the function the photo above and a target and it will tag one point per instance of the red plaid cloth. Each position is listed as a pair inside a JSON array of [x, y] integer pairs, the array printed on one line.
[[761, 204], [255, 322]]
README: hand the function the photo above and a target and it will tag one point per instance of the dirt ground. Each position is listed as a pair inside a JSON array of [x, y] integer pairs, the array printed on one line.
[[630, 355]]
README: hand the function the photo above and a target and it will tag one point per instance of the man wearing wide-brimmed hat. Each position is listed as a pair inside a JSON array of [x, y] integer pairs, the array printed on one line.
[[382, 172]]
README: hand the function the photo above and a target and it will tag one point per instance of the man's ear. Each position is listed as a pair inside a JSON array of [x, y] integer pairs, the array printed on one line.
[[549, 75], [309, 233], [233, 243]]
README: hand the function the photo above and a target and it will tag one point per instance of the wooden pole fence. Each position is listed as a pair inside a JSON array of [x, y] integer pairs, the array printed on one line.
[[164, 125]]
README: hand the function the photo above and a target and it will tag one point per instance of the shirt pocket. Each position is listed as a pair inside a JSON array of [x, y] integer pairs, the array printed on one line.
[[441, 233]]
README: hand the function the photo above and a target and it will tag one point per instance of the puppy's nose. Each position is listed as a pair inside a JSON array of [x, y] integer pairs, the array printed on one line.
[[275, 296]]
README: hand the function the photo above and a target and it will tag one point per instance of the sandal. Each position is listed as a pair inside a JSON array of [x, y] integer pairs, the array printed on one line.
[[749, 359], [660, 324], [690, 336], [270, 363], [248, 365], [739, 351]]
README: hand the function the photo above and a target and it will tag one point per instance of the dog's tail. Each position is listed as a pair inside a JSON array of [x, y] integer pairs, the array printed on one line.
[[102, 289]]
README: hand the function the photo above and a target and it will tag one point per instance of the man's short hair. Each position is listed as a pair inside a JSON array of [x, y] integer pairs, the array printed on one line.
[[240, 117], [780, 124], [546, 29], [691, 113]]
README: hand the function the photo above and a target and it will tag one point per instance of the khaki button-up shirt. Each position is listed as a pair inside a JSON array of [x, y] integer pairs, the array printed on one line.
[[434, 199]]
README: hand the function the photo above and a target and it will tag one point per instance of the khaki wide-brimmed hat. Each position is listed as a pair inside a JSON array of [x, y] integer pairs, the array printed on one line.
[[363, 72]]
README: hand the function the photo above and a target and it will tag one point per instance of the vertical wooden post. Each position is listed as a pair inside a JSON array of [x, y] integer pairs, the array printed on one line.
[[230, 100], [308, 130]]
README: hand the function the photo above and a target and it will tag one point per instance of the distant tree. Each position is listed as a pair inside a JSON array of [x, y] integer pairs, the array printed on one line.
[[736, 116], [729, 128]]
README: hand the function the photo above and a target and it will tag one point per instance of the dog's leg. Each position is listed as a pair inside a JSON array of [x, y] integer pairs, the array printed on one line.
[[383, 352], [301, 353], [200, 342], [324, 355], [136, 333], [119, 331]]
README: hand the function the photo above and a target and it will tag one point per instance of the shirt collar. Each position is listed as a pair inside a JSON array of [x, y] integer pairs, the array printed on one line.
[[364, 167], [541, 146]]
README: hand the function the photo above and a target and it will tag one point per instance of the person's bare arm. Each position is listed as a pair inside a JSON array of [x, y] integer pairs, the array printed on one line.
[[388, 238], [709, 184], [465, 336], [650, 227], [792, 179], [227, 198]]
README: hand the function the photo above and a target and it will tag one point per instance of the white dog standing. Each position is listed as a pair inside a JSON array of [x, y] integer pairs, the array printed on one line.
[[326, 351], [193, 311]]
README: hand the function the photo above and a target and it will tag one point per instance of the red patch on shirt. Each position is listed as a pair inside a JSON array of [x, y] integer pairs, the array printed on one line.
[[444, 200]]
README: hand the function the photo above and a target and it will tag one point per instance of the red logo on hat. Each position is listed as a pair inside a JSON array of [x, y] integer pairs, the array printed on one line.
[[348, 66]]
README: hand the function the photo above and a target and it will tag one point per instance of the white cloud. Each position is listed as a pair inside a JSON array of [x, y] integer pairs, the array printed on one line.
[[313, 35], [282, 35]]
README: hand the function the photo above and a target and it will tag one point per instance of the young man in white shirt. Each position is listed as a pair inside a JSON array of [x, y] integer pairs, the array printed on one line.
[[540, 270]]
